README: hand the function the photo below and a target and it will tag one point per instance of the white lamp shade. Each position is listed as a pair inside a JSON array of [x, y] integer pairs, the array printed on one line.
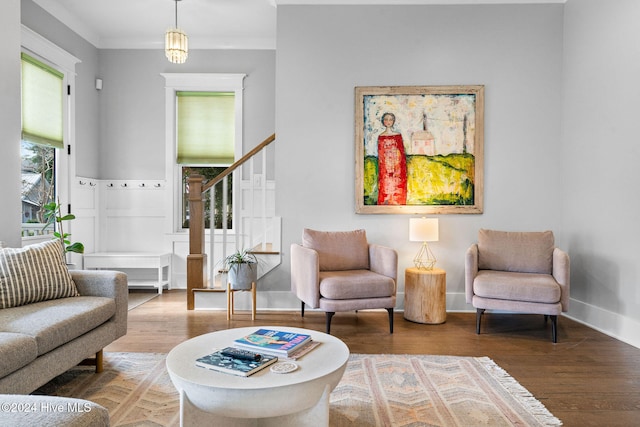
[[423, 229]]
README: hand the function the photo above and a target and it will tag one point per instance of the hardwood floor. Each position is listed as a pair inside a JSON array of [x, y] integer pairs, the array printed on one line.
[[586, 379]]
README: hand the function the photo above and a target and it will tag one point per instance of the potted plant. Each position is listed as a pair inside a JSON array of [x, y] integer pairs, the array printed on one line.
[[242, 267], [52, 215]]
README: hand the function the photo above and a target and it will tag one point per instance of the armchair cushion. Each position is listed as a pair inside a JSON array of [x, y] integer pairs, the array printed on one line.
[[524, 252], [503, 285], [338, 251], [355, 284]]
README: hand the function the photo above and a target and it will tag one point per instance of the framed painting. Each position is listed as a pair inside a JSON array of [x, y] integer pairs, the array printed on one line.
[[419, 149]]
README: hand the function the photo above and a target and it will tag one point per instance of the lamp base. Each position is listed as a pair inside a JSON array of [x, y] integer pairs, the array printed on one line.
[[424, 259]]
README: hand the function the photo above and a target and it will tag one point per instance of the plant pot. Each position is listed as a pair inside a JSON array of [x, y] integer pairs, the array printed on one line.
[[241, 275]]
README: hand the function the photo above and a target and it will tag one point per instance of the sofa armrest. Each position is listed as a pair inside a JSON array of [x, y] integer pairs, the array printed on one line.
[[305, 275], [106, 283], [562, 275], [383, 260], [470, 270]]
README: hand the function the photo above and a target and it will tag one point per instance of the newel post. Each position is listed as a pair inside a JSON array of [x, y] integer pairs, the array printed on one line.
[[197, 259]]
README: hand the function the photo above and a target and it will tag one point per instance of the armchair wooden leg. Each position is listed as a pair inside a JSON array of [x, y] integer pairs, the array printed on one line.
[[390, 310], [554, 328], [479, 313], [302, 308], [329, 316]]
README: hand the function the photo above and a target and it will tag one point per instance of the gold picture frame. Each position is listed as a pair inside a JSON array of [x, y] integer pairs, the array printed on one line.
[[419, 149]]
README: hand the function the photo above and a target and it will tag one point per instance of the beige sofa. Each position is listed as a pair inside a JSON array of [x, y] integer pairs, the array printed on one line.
[[41, 340]]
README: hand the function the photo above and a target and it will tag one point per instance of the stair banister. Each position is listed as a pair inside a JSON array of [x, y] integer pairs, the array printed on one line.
[[197, 259]]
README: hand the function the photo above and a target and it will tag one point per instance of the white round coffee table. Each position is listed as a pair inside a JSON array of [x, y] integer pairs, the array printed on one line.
[[298, 398]]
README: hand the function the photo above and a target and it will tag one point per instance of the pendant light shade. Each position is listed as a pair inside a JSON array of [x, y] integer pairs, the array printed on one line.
[[176, 43]]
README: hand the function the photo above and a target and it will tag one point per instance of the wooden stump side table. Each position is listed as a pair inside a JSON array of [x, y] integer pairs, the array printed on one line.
[[425, 295]]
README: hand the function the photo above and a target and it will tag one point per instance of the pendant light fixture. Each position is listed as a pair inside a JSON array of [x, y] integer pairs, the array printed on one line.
[[176, 43]]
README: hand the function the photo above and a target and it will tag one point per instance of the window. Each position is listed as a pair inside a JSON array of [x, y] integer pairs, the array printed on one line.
[[42, 135], [205, 145], [204, 136], [48, 74]]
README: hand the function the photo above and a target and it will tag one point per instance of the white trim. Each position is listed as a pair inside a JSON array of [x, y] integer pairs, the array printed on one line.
[[620, 327], [37, 44]]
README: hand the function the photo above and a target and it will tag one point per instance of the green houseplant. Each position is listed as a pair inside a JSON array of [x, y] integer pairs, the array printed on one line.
[[242, 267], [52, 215]]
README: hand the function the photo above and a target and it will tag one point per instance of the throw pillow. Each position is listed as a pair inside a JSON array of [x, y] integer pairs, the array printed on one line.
[[34, 273]]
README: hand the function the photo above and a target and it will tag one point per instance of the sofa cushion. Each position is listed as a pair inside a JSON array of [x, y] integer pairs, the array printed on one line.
[[34, 273], [525, 252], [16, 351], [338, 250], [505, 285], [354, 284], [56, 322]]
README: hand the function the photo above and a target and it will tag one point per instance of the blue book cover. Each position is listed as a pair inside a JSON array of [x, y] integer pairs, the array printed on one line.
[[273, 341], [218, 362]]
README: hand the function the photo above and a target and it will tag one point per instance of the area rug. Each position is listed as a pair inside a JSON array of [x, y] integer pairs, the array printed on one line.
[[376, 390]]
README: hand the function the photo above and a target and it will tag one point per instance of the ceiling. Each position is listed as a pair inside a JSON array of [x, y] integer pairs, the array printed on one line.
[[210, 24]]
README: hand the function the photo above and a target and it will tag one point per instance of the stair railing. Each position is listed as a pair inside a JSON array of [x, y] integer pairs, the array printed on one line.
[[198, 271]]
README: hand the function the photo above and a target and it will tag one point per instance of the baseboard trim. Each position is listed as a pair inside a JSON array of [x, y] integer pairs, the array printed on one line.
[[609, 323]]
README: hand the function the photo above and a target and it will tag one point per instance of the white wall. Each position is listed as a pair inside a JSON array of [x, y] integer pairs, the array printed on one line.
[[10, 124], [600, 155], [324, 52]]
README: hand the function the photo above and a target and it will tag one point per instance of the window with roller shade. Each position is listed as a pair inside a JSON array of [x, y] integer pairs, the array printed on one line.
[[205, 128], [42, 136]]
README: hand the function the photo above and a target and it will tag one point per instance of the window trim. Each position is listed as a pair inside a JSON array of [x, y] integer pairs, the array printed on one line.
[[205, 82]]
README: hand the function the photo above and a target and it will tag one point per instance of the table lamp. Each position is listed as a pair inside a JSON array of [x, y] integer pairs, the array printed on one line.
[[424, 230]]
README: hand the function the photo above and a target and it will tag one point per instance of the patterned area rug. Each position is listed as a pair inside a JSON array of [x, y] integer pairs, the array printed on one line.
[[376, 390]]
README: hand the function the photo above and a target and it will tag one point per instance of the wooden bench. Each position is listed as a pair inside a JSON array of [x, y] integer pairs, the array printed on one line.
[[124, 260]]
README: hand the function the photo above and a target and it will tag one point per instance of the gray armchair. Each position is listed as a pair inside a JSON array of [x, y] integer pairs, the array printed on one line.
[[341, 271], [520, 272]]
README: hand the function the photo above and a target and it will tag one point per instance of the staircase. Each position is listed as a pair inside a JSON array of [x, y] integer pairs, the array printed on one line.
[[255, 225]]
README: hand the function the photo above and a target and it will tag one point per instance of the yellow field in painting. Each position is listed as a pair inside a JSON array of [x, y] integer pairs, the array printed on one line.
[[431, 180]]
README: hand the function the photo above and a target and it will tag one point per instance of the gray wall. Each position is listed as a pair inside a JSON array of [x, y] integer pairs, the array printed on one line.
[[132, 104], [10, 124], [87, 118], [324, 52], [601, 154]]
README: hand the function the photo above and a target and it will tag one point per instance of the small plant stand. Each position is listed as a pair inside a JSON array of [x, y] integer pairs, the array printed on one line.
[[230, 292]]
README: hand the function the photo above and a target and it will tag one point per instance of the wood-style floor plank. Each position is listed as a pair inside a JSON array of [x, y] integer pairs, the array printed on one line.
[[586, 379]]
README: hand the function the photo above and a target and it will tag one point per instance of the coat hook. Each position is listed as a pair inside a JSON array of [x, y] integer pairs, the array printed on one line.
[[110, 184], [158, 185], [124, 184], [92, 184], [142, 184], [82, 182]]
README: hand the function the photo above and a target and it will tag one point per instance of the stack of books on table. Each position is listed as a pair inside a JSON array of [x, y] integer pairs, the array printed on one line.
[[221, 361], [290, 345]]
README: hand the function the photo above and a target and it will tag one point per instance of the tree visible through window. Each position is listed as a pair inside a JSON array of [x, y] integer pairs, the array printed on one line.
[[38, 180], [209, 173]]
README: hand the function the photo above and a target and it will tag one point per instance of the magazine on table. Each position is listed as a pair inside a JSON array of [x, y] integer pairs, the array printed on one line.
[[275, 342], [230, 365]]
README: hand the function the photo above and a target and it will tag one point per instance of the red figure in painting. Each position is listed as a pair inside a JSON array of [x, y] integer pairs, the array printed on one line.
[[392, 165]]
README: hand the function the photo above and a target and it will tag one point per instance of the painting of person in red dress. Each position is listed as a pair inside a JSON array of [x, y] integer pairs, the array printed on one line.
[[392, 165]]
